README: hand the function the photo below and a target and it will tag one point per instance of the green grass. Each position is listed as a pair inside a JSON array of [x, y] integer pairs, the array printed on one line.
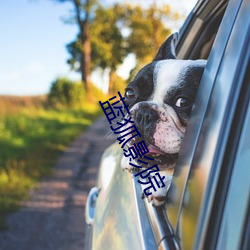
[[31, 139]]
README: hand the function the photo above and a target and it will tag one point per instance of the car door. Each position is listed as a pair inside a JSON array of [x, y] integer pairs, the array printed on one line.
[[122, 220]]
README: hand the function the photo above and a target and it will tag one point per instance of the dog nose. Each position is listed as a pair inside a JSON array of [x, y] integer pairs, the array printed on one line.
[[145, 118]]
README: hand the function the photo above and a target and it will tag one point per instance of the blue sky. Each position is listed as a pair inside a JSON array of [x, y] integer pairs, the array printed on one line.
[[32, 44]]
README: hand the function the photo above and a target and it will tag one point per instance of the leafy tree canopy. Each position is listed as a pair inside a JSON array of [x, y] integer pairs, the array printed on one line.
[[119, 30], [147, 31]]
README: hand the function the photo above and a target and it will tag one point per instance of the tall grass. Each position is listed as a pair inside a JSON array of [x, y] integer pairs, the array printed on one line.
[[31, 139]]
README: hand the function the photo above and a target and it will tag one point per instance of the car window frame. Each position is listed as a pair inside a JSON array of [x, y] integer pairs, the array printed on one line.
[[241, 59], [239, 108], [234, 188], [211, 75], [196, 26], [195, 124]]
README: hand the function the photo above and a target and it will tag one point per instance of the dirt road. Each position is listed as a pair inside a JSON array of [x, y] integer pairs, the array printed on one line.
[[53, 218]]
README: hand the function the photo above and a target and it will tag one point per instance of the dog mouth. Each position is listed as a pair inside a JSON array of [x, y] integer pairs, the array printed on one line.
[[161, 158], [164, 158]]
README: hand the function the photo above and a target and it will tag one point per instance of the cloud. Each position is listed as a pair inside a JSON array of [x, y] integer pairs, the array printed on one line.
[[25, 79], [34, 67], [31, 68]]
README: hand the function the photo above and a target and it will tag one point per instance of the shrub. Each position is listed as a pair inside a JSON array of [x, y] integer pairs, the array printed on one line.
[[65, 92], [119, 84], [97, 94]]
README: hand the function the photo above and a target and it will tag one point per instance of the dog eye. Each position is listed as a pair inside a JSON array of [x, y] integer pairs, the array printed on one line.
[[130, 94], [183, 102]]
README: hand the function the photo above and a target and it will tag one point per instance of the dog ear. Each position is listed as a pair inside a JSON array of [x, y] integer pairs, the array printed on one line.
[[167, 49]]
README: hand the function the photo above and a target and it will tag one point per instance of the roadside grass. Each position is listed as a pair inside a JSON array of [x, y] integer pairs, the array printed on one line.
[[31, 139]]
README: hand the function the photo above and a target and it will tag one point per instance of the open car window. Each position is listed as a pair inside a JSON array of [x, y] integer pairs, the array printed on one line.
[[198, 170], [196, 41], [202, 98]]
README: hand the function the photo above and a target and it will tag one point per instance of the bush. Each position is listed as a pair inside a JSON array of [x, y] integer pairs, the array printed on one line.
[[119, 84], [97, 94], [65, 92]]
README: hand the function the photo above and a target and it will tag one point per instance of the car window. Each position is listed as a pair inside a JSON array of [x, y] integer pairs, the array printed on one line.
[[204, 19], [192, 132], [198, 34], [235, 210], [208, 131]]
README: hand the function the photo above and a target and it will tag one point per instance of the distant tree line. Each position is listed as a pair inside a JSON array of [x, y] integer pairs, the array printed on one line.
[[108, 34]]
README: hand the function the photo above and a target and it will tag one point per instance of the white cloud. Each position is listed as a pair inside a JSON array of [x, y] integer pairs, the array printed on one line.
[[27, 79], [31, 68], [34, 68]]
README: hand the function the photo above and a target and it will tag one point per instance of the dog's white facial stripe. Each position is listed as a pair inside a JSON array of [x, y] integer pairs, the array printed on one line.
[[170, 73]]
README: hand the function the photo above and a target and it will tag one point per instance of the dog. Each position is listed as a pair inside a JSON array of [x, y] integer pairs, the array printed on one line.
[[160, 99]]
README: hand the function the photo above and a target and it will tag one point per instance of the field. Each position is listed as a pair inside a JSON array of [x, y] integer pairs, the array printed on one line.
[[32, 135]]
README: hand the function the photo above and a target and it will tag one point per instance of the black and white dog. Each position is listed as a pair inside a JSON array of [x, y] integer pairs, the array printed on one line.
[[160, 99]]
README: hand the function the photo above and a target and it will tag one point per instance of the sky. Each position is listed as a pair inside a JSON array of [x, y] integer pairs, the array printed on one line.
[[32, 44]]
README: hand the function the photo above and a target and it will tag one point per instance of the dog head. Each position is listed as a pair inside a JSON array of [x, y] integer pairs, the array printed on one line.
[[160, 99]]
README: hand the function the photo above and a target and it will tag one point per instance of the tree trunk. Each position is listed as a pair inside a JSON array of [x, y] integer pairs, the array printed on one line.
[[86, 45], [86, 57], [111, 82]]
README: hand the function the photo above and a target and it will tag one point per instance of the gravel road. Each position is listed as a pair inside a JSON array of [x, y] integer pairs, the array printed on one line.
[[53, 218]]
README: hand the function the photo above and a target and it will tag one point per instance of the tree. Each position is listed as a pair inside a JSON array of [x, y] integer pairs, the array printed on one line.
[[108, 45], [108, 48], [119, 30], [83, 15], [66, 93], [148, 31]]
